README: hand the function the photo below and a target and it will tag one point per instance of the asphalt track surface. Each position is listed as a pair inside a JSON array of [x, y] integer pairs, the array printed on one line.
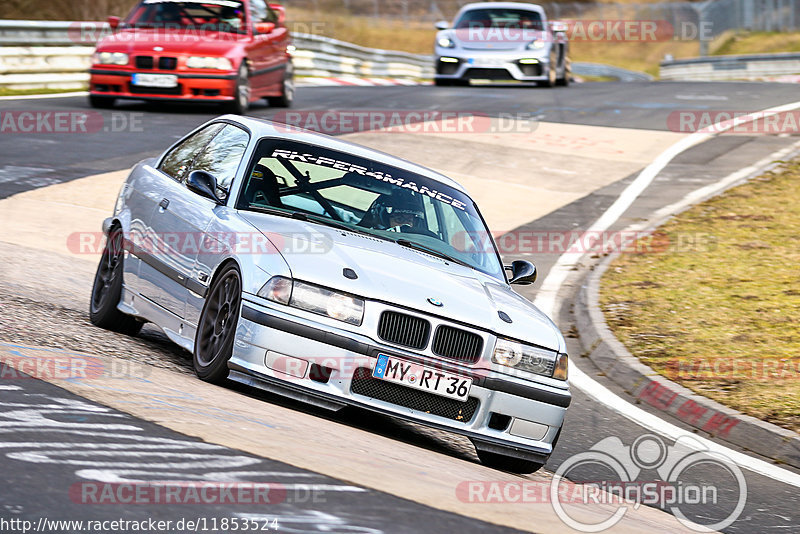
[[35, 160]]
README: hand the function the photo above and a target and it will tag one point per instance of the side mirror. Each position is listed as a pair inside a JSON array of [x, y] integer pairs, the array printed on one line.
[[442, 25], [281, 12], [204, 184], [113, 22], [264, 27], [558, 26], [522, 272]]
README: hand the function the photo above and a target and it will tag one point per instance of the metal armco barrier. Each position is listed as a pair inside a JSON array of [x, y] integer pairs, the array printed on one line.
[[57, 55], [749, 67]]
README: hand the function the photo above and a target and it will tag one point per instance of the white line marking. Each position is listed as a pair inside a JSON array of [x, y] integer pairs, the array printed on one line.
[[546, 298], [39, 97], [10, 388]]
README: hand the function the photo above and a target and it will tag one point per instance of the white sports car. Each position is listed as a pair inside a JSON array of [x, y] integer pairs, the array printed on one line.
[[337, 275]]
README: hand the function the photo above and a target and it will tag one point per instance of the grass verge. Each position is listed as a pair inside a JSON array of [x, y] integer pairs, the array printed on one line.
[[718, 308]]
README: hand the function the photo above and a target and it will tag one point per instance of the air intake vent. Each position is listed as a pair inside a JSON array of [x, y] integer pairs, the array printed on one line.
[[167, 63], [422, 401], [144, 62], [404, 330], [457, 344]]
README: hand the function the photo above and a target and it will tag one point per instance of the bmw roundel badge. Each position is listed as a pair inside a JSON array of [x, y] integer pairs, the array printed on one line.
[[436, 302]]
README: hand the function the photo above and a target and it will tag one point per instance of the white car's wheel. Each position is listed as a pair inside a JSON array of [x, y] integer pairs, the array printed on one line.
[[216, 329]]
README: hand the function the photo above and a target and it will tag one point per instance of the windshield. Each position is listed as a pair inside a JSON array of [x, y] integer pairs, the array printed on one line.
[[522, 19], [366, 196], [220, 15]]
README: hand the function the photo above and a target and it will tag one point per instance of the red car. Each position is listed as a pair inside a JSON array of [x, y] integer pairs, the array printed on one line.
[[227, 51]]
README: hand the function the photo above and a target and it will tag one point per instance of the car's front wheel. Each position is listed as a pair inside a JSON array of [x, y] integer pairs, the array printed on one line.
[[107, 289], [508, 463], [241, 92], [216, 330], [567, 75], [551, 73], [287, 90]]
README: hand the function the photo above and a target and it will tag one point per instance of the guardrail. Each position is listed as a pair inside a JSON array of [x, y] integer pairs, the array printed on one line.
[[57, 55], [747, 67]]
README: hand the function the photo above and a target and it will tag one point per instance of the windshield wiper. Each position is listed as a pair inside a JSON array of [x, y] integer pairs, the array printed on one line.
[[430, 250], [302, 216]]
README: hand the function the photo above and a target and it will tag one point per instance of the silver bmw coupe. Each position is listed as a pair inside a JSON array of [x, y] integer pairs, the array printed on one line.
[[337, 275]]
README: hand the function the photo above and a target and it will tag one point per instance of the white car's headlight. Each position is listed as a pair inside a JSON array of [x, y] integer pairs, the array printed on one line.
[[202, 62], [535, 45], [110, 58], [446, 42], [316, 299], [529, 358]]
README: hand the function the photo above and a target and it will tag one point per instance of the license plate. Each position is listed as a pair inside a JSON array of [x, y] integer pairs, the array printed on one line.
[[155, 80], [487, 61], [423, 378]]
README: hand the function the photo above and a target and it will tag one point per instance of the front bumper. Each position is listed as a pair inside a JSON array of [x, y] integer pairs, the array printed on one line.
[[518, 417], [524, 66], [191, 87]]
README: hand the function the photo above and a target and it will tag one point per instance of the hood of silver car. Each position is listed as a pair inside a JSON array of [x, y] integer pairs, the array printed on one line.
[[395, 274]]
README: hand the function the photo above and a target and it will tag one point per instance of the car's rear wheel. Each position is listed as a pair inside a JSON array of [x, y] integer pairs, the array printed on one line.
[[101, 102], [508, 463], [241, 92], [442, 82], [287, 90], [216, 330], [107, 289]]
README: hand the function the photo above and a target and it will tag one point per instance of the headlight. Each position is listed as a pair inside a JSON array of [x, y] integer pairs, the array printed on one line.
[[529, 358], [446, 42], [200, 62], [110, 58], [535, 45], [315, 299]]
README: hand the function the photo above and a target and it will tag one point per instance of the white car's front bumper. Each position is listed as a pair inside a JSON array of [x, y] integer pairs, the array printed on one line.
[[524, 66], [332, 368]]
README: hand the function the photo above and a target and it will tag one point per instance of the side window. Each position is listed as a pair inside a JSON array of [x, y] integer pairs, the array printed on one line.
[[178, 160], [221, 157]]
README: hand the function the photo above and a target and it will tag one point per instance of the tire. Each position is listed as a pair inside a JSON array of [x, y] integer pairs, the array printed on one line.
[[287, 90], [441, 82], [241, 92], [508, 463], [566, 78], [551, 73], [216, 329], [107, 289], [101, 102]]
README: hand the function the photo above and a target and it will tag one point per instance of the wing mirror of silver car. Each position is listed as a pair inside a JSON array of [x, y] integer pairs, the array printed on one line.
[[204, 184], [522, 272], [442, 25]]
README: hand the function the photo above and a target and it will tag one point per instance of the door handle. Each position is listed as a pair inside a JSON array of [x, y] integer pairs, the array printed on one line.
[[164, 204]]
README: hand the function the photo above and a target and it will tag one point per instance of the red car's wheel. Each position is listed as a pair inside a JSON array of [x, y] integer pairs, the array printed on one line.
[[241, 92], [287, 90]]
